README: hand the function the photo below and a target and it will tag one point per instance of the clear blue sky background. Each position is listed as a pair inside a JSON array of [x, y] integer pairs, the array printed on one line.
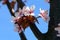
[[7, 27]]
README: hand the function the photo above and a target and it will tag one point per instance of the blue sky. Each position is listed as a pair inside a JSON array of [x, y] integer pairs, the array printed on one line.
[[7, 27]]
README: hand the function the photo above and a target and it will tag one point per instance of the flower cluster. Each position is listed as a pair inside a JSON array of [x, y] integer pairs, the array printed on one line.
[[27, 11]]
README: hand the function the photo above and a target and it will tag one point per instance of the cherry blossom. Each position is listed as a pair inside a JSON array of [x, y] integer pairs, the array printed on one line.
[[44, 15]]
